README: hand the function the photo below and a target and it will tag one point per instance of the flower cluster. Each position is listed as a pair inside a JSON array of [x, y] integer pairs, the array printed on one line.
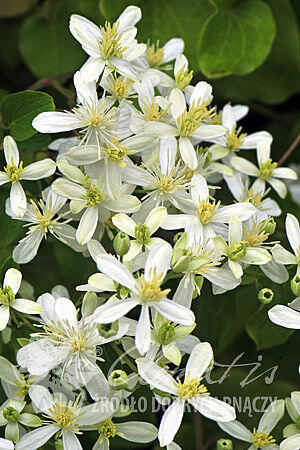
[[146, 163]]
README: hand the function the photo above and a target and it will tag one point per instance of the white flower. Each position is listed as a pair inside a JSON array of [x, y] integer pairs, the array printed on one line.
[[43, 218], [182, 77], [157, 57], [190, 390], [291, 443], [242, 192], [95, 118], [13, 381], [63, 417], [69, 342], [286, 316], [112, 47], [233, 140], [189, 123], [283, 256], [11, 285], [141, 232], [145, 291], [90, 195], [14, 172], [238, 250], [208, 218], [260, 437], [267, 170], [5, 444]]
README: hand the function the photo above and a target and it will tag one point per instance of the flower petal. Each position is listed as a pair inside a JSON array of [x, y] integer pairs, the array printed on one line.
[[115, 270], [13, 278], [56, 122], [18, 199], [213, 408], [158, 261], [87, 225], [271, 416], [156, 376], [136, 431], [293, 232], [39, 169], [11, 151], [285, 317], [143, 331], [199, 360], [37, 438], [236, 429], [112, 311], [26, 306], [170, 422], [175, 312]]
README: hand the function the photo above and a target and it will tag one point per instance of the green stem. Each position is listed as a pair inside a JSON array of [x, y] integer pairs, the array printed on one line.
[[124, 357]]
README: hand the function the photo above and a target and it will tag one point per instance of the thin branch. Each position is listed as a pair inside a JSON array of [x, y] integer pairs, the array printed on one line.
[[48, 81], [198, 431], [289, 150]]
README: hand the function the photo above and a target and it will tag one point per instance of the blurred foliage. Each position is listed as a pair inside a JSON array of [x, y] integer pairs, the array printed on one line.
[[249, 51]]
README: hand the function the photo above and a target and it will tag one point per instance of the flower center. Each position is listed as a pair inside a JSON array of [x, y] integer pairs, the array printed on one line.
[[257, 236], [149, 290], [14, 172], [183, 78], [93, 196], [23, 386], [191, 119], [11, 414], [65, 414], [110, 42], [121, 87], [106, 429], [235, 139], [206, 210], [6, 295], [261, 440], [117, 153], [254, 199], [191, 388], [266, 169], [166, 333], [154, 55], [238, 250], [142, 233], [154, 112]]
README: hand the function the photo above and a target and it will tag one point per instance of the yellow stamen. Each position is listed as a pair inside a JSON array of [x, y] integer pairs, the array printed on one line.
[[261, 440], [149, 290], [206, 210], [110, 43], [154, 55], [193, 118], [191, 388], [14, 172], [235, 139], [266, 169]]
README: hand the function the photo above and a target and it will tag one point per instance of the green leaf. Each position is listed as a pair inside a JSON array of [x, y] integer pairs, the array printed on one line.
[[47, 46], [237, 39], [12, 8], [9, 229], [166, 19], [18, 110], [278, 78], [260, 328]]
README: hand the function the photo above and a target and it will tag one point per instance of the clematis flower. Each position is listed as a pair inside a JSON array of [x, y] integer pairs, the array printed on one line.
[[111, 47], [96, 119], [238, 250], [208, 218], [43, 218], [267, 170], [189, 122], [293, 407], [145, 291], [14, 172], [69, 342], [260, 437], [141, 232], [190, 390], [11, 285], [90, 195]]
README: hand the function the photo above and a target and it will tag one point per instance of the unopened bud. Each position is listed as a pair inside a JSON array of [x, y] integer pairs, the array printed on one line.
[[265, 296], [270, 225], [166, 334], [295, 285], [121, 243], [108, 330], [224, 444], [118, 379], [182, 261]]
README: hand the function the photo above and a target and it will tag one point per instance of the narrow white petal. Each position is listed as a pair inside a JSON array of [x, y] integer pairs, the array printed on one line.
[[170, 422], [235, 230], [175, 312], [172, 48], [112, 311], [26, 306], [178, 104], [188, 153], [39, 169], [11, 151], [228, 117], [285, 172], [256, 256], [214, 409], [56, 122], [92, 69], [199, 360], [285, 317], [242, 210], [115, 270], [130, 16], [167, 153], [271, 416], [278, 186], [137, 431], [291, 443], [4, 316], [143, 331], [293, 232], [201, 93], [251, 140], [199, 189], [41, 398], [236, 429], [13, 278], [155, 218], [235, 268], [18, 199], [70, 441], [283, 256], [87, 225], [244, 166], [263, 150], [86, 32], [158, 261], [156, 376], [36, 438]]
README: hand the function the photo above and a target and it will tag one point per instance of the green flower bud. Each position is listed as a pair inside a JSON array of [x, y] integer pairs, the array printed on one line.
[[118, 379], [121, 243], [124, 291], [108, 330], [182, 261], [142, 233], [177, 236], [269, 225], [295, 285], [238, 250], [224, 444], [166, 334], [265, 296], [11, 414], [6, 295]]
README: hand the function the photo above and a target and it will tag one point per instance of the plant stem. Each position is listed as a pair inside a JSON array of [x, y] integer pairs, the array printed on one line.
[[198, 431], [289, 150], [47, 81]]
